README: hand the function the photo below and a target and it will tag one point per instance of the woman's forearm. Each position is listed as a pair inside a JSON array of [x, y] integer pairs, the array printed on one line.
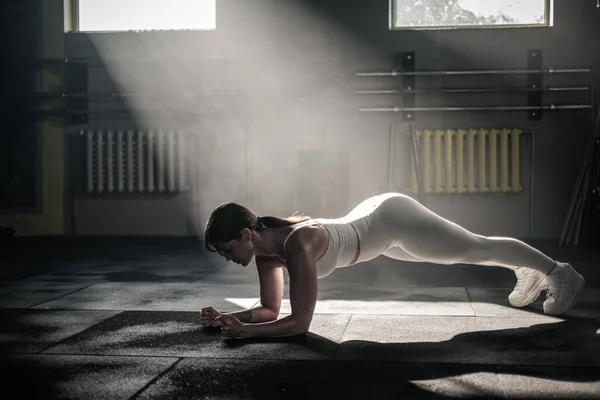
[[255, 315], [287, 326]]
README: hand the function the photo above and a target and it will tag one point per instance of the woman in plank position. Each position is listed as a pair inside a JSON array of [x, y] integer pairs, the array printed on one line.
[[391, 224]]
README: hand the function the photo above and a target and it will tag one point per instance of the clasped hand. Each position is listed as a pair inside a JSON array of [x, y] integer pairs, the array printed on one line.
[[231, 327]]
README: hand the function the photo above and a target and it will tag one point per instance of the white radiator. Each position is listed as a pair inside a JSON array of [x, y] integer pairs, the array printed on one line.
[[469, 161], [136, 161]]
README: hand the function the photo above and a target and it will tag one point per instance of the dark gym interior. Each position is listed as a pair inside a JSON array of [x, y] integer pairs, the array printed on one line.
[[117, 142]]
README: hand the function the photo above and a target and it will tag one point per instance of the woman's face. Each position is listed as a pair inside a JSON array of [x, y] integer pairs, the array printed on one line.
[[239, 251]]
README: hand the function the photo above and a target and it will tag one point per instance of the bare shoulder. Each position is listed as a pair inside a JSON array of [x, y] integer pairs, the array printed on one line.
[[308, 240]]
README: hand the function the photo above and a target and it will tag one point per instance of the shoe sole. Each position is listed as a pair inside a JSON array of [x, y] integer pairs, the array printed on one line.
[[532, 296], [572, 297]]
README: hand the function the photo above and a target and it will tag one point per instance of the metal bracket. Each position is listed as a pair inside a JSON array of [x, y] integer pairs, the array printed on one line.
[[76, 81], [407, 60], [535, 82]]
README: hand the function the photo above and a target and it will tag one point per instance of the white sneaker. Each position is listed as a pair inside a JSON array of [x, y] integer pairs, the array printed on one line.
[[564, 286], [530, 284]]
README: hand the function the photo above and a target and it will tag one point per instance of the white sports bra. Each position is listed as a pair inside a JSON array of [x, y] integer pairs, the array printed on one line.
[[343, 248]]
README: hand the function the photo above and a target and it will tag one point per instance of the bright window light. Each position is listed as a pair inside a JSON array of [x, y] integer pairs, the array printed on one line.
[[449, 14], [144, 15]]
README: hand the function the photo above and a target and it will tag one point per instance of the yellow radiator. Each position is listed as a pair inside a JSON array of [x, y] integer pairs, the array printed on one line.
[[468, 161]]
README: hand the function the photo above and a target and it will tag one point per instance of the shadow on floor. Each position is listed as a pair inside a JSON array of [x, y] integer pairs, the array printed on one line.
[[360, 369]]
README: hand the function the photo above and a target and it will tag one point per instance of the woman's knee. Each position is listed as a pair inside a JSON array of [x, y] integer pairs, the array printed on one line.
[[466, 250], [451, 250], [479, 250]]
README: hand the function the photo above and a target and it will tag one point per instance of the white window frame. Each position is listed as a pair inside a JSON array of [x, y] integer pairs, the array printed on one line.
[[548, 21]]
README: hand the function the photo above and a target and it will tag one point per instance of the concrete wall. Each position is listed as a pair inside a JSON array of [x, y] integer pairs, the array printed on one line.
[[296, 64]]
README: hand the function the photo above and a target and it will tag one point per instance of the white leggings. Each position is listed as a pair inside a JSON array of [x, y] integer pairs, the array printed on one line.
[[401, 228]]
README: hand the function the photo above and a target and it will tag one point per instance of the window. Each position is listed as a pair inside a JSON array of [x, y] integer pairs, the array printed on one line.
[[143, 15], [457, 14]]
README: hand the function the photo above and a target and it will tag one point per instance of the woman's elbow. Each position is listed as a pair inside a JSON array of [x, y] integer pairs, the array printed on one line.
[[303, 331], [274, 315], [303, 325]]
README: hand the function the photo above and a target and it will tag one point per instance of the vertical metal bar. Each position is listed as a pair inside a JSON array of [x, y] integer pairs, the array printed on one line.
[[90, 161], [494, 188], [437, 161], [408, 83], [391, 155], [504, 188], [414, 137], [130, 170], [99, 163], [460, 161], [535, 81], [120, 166], [150, 158], [140, 161], [181, 157], [109, 161], [171, 160], [471, 161], [426, 161], [515, 161], [449, 182], [89, 142], [482, 174], [161, 161]]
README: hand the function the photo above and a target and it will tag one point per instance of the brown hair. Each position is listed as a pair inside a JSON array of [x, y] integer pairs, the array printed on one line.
[[227, 221]]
